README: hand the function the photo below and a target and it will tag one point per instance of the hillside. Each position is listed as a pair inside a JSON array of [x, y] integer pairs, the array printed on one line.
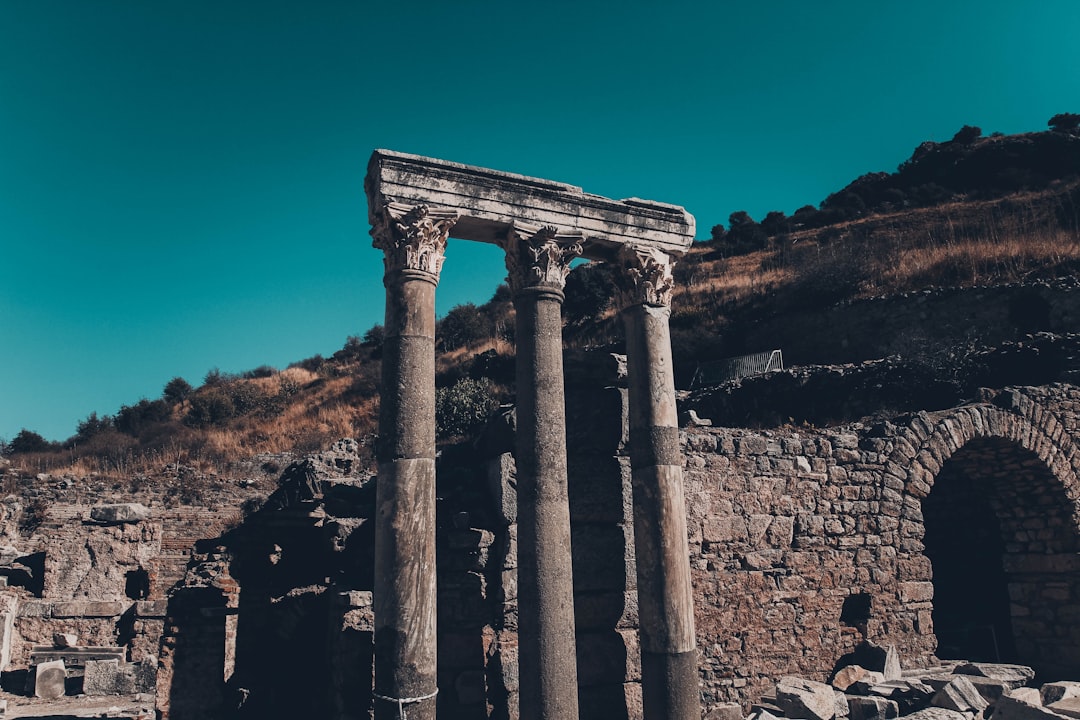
[[1007, 211]]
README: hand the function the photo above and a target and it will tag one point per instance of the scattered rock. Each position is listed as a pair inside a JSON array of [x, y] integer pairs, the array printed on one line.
[[959, 695], [936, 713], [65, 640], [805, 699], [872, 708], [729, 711], [1012, 708], [846, 676], [1012, 675], [1069, 707], [1062, 690]]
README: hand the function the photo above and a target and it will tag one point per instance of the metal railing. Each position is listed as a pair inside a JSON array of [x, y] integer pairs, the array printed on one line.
[[721, 371]]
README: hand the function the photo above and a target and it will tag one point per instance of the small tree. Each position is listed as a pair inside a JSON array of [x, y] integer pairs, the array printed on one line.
[[209, 408], [375, 336], [463, 406], [589, 289], [1065, 122], [718, 233], [176, 391], [28, 441], [91, 426], [464, 325]]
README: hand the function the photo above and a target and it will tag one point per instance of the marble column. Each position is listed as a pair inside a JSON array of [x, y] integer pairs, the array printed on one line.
[[669, 658], [413, 240], [538, 260]]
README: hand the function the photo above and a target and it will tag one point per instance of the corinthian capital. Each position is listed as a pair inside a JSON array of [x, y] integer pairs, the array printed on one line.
[[539, 256], [644, 277], [412, 237]]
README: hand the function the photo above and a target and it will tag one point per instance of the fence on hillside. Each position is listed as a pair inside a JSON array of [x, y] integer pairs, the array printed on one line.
[[721, 371]]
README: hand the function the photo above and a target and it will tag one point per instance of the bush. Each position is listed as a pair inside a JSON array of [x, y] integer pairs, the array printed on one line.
[[463, 325], [967, 135], [1065, 122], [91, 426], [589, 290], [28, 441], [134, 419], [209, 408], [464, 406], [263, 371]]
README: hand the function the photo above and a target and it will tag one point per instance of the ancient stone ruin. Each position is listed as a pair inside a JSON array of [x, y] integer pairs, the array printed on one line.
[[823, 542]]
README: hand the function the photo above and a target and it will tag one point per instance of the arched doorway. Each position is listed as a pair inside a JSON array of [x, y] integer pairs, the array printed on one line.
[[1001, 537]]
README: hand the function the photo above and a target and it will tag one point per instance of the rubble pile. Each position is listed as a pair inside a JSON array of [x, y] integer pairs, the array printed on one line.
[[952, 690]]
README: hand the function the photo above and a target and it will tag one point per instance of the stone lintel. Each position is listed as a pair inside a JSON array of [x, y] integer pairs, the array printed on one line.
[[491, 201]]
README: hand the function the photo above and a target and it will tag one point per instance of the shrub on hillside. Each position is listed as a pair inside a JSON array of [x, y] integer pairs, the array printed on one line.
[[464, 325], [28, 441], [464, 406], [209, 408], [176, 391], [589, 290], [135, 419]]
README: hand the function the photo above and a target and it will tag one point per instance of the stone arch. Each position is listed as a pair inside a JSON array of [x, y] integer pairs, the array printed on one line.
[[1006, 470]]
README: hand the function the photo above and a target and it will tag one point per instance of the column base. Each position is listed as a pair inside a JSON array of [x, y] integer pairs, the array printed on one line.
[[670, 686]]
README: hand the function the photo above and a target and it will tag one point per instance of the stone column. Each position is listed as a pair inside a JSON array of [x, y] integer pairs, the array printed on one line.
[[538, 261], [669, 658], [413, 240]]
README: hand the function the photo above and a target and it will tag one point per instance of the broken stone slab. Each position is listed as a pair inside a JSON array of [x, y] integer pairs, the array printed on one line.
[[806, 699], [1051, 692], [989, 688], [49, 679], [1069, 707], [760, 713], [728, 711], [892, 670], [65, 640], [1012, 675], [120, 513], [937, 713], [910, 695], [846, 676], [841, 705], [100, 677], [959, 695], [874, 657], [872, 708], [1026, 694], [1014, 708]]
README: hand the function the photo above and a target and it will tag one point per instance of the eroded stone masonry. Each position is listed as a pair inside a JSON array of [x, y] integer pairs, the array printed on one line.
[[604, 549]]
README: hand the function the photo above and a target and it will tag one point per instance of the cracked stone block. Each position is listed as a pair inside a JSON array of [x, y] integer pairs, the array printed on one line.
[[49, 679]]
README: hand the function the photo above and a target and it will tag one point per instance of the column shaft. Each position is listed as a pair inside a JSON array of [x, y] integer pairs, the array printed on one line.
[[547, 657], [405, 588], [669, 658]]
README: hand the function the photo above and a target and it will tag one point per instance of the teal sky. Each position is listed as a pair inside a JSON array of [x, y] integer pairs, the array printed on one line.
[[181, 181]]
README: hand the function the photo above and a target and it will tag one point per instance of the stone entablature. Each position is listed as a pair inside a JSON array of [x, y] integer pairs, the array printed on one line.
[[490, 202]]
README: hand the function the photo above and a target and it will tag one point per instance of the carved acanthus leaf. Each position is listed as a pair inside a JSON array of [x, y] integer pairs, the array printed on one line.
[[644, 277], [539, 256], [412, 237]]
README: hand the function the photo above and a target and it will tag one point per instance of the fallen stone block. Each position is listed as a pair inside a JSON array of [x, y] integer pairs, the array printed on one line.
[[936, 713], [1062, 690], [728, 711], [49, 679], [1009, 707], [1025, 694], [1069, 707], [872, 708], [989, 688], [806, 699], [846, 676], [892, 670], [840, 704], [960, 695], [119, 513], [910, 695], [100, 677], [1012, 675], [759, 713]]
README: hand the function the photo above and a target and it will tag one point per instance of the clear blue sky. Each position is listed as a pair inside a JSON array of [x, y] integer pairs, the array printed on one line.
[[181, 181]]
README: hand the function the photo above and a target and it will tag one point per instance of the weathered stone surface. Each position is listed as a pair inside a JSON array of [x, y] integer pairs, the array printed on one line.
[[848, 675], [872, 708], [800, 698], [1051, 692], [1026, 694], [989, 688], [892, 670], [49, 679], [936, 713], [489, 201], [101, 677], [1070, 706], [65, 640], [1012, 675], [959, 695], [1011, 708], [728, 711], [120, 513]]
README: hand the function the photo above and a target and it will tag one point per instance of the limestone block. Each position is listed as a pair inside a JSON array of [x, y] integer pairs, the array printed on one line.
[[1069, 707], [1013, 676], [806, 699], [1052, 692], [49, 679], [846, 676], [936, 713], [959, 695], [101, 677], [1012, 708], [65, 640], [119, 513], [841, 704], [892, 669], [872, 708], [1025, 694], [726, 711]]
